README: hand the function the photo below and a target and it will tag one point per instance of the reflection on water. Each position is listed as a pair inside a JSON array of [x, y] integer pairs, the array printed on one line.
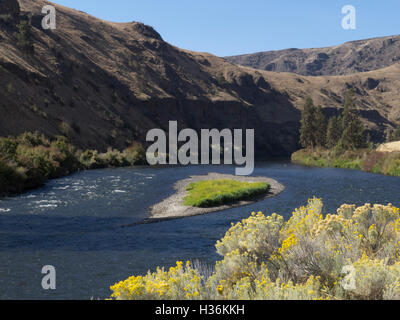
[[76, 223]]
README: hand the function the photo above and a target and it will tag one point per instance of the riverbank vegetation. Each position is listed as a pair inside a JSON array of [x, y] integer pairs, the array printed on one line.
[[361, 159], [341, 142], [393, 134], [29, 160], [212, 193], [353, 254]]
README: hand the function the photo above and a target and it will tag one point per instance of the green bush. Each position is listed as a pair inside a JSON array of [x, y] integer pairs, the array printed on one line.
[[135, 155], [394, 168], [90, 159], [32, 139], [66, 155], [12, 179], [113, 158], [8, 148], [40, 163]]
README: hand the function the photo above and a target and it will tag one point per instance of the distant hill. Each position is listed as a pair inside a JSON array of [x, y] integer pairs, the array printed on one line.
[[105, 84], [348, 58]]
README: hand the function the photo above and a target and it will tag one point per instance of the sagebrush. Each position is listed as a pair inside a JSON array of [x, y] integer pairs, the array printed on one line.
[[353, 254]]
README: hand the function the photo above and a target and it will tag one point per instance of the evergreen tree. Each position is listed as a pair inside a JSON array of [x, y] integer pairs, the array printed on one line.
[[307, 138], [353, 129], [396, 134], [334, 132], [348, 108], [319, 127]]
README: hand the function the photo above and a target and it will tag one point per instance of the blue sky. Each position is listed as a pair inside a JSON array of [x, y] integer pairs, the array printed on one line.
[[230, 27]]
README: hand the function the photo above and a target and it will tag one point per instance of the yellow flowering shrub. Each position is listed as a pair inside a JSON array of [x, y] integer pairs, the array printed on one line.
[[180, 282], [374, 279], [352, 254]]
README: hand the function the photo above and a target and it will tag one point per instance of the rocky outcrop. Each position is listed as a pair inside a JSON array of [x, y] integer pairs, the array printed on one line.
[[146, 30], [349, 58], [389, 147], [371, 84]]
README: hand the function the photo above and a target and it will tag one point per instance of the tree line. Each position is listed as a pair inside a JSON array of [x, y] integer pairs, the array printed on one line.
[[344, 131]]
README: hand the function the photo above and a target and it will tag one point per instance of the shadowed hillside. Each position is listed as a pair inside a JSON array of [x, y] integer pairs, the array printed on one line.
[[105, 84]]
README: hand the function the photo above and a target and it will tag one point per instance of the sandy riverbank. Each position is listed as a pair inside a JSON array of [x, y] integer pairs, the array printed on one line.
[[173, 207]]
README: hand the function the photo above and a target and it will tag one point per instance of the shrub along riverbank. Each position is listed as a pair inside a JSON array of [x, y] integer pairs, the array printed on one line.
[[387, 163], [353, 254], [29, 160]]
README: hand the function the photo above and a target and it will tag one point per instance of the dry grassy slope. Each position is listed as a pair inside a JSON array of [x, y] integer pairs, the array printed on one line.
[[105, 84], [376, 92], [348, 58]]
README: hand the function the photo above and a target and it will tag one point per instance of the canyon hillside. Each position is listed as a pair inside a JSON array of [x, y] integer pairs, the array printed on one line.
[[106, 84], [351, 57]]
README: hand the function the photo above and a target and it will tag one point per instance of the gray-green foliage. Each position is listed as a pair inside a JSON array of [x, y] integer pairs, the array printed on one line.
[[352, 254]]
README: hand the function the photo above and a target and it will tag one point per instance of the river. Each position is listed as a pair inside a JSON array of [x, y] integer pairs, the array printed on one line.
[[78, 223]]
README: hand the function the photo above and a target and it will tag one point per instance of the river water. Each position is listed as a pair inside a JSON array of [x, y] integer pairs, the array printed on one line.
[[78, 223]]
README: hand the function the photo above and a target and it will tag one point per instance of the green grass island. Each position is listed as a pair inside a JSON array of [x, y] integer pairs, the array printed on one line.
[[202, 194], [211, 193]]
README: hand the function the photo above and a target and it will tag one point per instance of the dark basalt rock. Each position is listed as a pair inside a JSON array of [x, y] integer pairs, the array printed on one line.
[[371, 84], [270, 67], [146, 31], [316, 65], [322, 56]]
